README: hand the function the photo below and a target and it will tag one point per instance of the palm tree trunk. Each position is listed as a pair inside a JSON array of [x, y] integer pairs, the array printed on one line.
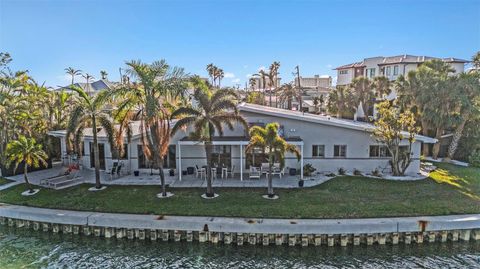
[[25, 171], [162, 175], [208, 151], [436, 147], [96, 154], [456, 138], [270, 181]]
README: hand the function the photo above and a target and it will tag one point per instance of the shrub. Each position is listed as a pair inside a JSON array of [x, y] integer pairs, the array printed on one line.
[[330, 175], [341, 171], [308, 169], [474, 158], [376, 173], [357, 172]]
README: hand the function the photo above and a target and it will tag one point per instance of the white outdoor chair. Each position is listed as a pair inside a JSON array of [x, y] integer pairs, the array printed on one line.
[[200, 172], [230, 171], [254, 173], [278, 171], [264, 168]]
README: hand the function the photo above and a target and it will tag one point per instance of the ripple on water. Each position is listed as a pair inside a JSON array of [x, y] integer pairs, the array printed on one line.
[[28, 249]]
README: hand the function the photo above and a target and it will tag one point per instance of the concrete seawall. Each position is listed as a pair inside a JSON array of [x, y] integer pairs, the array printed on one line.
[[241, 231]]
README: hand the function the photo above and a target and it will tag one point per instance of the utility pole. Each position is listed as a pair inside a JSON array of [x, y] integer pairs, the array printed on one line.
[[299, 87]]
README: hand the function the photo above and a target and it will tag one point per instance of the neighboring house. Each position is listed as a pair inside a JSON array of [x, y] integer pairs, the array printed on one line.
[[391, 67], [325, 142], [92, 87]]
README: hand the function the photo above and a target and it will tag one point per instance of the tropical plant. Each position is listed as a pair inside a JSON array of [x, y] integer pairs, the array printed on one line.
[[274, 145], [89, 111], [273, 75], [341, 102], [392, 127], [467, 88], [158, 90], [87, 78], [474, 158], [26, 151], [476, 61], [286, 94], [73, 73], [215, 109], [103, 74]]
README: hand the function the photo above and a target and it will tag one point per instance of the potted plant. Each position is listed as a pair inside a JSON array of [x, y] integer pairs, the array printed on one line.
[[300, 183], [308, 170]]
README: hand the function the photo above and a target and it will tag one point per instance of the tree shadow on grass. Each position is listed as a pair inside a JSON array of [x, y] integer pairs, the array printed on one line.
[[462, 184]]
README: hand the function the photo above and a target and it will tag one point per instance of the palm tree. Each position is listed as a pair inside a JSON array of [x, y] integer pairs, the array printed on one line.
[[88, 77], [341, 101], [220, 76], [252, 82], [287, 93], [158, 90], [318, 103], [362, 90], [89, 112], [268, 139], [73, 72], [468, 94], [273, 74], [476, 61], [27, 151], [103, 74], [211, 72], [215, 109]]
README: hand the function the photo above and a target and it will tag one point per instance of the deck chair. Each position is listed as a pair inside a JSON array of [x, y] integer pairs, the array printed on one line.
[[254, 173]]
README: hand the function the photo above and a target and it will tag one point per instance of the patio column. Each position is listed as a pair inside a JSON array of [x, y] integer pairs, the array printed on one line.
[[301, 161], [179, 162], [241, 162]]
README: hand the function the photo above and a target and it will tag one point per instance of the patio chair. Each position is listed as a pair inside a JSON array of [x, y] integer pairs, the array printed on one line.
[[230, 171], [200, 172], [264, 168], [278, 171], [112, 171], [254, 173]]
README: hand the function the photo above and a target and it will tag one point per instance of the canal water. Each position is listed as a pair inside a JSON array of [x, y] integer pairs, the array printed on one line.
[[29, 249]]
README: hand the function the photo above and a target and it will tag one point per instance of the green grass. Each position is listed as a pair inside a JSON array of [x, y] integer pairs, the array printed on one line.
[[4, 181], [450, 190]]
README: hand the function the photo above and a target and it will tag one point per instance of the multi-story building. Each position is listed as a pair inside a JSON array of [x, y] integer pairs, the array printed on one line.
[[391, 67], [258, 85]]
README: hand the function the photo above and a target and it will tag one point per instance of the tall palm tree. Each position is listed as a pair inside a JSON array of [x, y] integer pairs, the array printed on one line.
[[286, 94], [211, 69], [89, 112], [27, 151], [158, 90], [276, 147], [73, 73], [273, 74], [103, 74], [252, 82], [88, 77], [362, 90], [468, 94], [476, 61], [341, 101], [216, 108]]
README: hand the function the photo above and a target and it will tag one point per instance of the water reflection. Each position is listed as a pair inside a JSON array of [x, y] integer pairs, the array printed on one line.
[[28, 249]]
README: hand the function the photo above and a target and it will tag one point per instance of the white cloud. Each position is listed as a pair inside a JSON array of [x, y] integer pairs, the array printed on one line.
[[329, 66], [325, 76], [248, 76], [245, 66], [262, 68], [229, 75], [235, 80]]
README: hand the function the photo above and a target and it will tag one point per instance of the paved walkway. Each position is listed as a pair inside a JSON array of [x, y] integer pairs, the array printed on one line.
[[189, 181], [9, 185], [243, 225]]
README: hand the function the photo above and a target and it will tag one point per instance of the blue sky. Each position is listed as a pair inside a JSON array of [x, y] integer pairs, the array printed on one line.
[[46, 36]]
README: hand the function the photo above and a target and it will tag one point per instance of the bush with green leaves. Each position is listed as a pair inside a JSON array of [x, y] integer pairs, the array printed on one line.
[[474, 158], [308, 169]]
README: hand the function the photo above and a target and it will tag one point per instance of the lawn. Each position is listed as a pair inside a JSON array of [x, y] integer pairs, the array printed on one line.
[[449, 190], [4, 181]]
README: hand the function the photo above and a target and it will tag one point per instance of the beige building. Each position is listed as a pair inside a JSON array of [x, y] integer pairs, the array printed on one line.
[[391, 67], [259, 83]]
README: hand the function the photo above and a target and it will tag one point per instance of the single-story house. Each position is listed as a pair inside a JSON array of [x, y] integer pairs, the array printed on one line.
[[327, 143]]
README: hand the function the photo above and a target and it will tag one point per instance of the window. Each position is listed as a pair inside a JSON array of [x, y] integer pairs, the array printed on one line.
[[124, 155], [343, 72], [143, 162], [339, 151], [388, 71], [170, 161], [395, 70], [377, 151], [318, 151]]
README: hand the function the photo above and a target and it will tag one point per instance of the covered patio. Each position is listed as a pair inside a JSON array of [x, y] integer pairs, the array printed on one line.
[[229, 155]]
